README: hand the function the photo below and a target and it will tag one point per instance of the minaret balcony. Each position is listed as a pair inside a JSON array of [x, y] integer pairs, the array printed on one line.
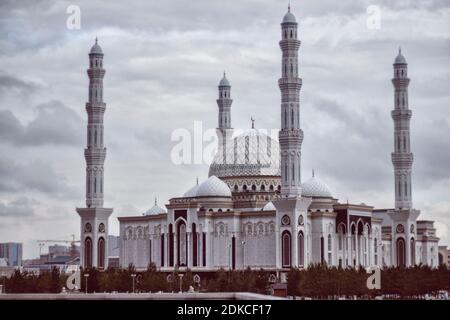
[[401, 114], [96, 72], [290, 44], [400, 82], [402, 160]]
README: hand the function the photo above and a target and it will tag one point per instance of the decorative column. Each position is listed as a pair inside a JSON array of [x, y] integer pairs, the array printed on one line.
[[94, 218]]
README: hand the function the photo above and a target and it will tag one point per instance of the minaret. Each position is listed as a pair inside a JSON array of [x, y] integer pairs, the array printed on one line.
[[94, 218], [290, 135], [403, 217], [291, 207], [224, 130], [402, 158]]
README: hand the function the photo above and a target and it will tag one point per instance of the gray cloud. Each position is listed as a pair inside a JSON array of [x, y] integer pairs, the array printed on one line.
[[18, 177], [21, 207], [54, 124]]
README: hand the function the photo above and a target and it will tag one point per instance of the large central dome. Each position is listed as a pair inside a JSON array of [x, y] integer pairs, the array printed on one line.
[[252, 153]]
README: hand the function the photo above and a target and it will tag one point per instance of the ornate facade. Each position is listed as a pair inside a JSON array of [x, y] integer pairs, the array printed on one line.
[[254, 211]]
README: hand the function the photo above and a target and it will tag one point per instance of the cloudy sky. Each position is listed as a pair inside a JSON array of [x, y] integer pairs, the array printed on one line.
[[164, 60]]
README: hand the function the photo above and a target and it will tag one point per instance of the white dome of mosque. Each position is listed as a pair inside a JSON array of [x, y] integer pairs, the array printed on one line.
[[192, 192], [224, 82], [289, 17], [269, 207], [96, 49], [155, 210], [400, 59], [315, 188], [213, 186], [251, 153]]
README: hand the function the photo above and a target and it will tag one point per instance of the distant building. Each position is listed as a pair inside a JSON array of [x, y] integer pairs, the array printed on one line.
[[12, 252], [114, 246]]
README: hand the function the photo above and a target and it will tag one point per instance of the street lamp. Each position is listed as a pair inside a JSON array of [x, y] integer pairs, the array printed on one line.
[[133, 276], [181, 282], [86, 276]]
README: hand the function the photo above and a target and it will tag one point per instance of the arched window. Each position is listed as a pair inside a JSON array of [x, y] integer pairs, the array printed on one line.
[[375, 251], [253, 187], [101, 253], [406, 189], [413, 252], [95, 185], [88, 253], [292, 117], [401, 254], [271, 187], [301, 249], [404, 143], [330, 256], [244, 187], [95, 137], [88, 184], [286, 249], [285, 118], [182, 244], [236, 188], [285, 34], [194, 245], [263, 187], [171, 245], [162, 250], [293, 172]]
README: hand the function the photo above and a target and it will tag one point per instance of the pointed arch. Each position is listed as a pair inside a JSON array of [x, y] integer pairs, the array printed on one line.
[[286, 249]]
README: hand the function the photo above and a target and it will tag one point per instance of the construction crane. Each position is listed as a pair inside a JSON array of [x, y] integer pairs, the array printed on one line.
[[72, 242]]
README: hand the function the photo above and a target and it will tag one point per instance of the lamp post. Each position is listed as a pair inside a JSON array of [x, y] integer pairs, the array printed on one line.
[[86, 276], [133, 276], [181, 282]]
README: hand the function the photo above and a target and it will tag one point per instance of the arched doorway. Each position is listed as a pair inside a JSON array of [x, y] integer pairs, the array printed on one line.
[[101, 253], [286, 249], [401, 254], [88, 253], [182, 244], [301, 249], [194, 245]]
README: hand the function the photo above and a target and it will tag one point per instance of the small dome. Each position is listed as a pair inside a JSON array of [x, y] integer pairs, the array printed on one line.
[[155, 210], [96, 49], [192, 192], [269, 207], [315, 188], [213, 186], [400, 59], [224, 82], [289, 17]]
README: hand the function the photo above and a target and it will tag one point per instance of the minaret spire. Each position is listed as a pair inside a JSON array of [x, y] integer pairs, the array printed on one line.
[[402, 157], [224, 130], [290, 135]]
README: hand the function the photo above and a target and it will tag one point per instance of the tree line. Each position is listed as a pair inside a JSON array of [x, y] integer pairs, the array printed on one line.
[[318, 281]]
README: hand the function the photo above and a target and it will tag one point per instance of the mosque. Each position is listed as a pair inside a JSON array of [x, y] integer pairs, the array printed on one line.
[[254, 210]]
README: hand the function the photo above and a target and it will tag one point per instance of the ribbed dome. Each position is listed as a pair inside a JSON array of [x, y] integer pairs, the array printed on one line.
[[96, 49], [289, 17], [224, 82], [213, 186], [269, 207], [155, 210], [315, 188], [400, 59], [252, 153], [192, 192]]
